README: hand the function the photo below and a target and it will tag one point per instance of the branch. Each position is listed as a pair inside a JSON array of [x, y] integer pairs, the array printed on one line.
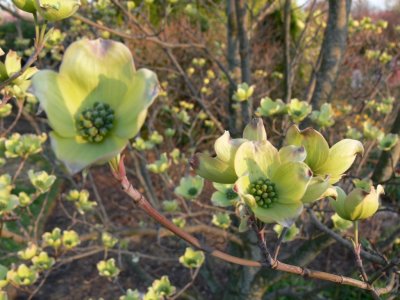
[[141, 201], [138, 37], [371, 257]]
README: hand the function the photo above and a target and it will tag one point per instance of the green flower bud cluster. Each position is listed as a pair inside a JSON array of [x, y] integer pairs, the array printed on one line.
[[170, 205], [81, 200], [154, 139], [180, 222], [243, 92], [5, 109], [51, 10], [190, 187], [108, 240], [24, 199], [22, 145], [264, 192], [160, 289], [41, 180], [69, 239], [221, 220], [29, 252], [131, 294], [23, 275], [159, 166], [107, 268], [192, 259], [95, 123], [8, 201], [43, 262]]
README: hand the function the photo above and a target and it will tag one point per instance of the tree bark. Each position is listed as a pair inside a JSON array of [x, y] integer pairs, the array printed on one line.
[[333, 48], [244, 53], [388, 160], [231, 59], [286, 46]]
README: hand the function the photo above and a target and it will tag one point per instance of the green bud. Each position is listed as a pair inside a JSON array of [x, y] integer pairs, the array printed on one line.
[[108, 240], [358, 204], [159, 166], [298, 110], [28, 252], [324, 117], [221, 220], [25, 5], [170, 205], [107, 268], [388, 142], [180, 222], [268, 107], [243, 92], [22, 276], [70, 239], [156, 138], [190, 187], [192, 259], [162, 287], [43, 261], [52, 239], [131, 295], [23, 145], [56, 10], [5, 109], [41, 180], [24, 199]]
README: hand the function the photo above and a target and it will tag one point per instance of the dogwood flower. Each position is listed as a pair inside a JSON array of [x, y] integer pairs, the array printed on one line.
[[272, 184], [96, 103], [269, 107], [221, 168], [358, 204], [322, 160], [55, 10]]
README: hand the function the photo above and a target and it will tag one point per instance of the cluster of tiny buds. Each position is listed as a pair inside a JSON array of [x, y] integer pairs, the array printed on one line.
[[264, 192], [95, 123]]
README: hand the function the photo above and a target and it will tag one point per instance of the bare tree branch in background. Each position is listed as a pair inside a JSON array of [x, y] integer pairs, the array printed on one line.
[[231, 33], [244, 52], [333, 49], [286, 47]]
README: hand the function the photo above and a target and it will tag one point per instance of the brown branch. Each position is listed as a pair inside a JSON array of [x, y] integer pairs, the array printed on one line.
[[371, 257], [138, 37], [142, 202]]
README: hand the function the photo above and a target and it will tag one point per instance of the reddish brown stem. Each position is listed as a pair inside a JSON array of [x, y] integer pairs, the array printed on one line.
[[142, 202]]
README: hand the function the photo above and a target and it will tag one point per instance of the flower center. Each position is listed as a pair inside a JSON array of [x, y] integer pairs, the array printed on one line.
[[192, 191], [264, 192], [230, 194], [94, 123]]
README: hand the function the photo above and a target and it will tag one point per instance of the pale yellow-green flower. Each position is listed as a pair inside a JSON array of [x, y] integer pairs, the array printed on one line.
[[96, 103], [272, 183], [192, 258], [322, 160], [221, 168], [25, 5], [55, 10], [358, 204]]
